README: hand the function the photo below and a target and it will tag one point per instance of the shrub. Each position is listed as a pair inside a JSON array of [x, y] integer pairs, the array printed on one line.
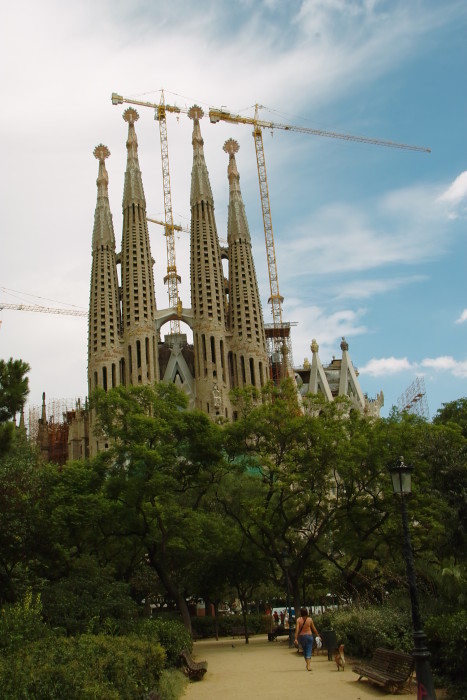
[[83, 668], [21, 623], [448, 644], [362, 629], [172, 635], [87, 598], [171, 684]]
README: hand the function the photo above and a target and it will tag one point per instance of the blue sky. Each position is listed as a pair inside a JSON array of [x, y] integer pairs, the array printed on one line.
[[370, 241]]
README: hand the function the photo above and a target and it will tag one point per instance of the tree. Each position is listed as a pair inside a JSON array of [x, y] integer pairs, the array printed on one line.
[[314, 489], [20, 490], [162, 464], [454, 412], [13, 391]]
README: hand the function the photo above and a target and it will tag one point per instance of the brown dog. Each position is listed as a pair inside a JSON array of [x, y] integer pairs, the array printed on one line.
[[340, 658]]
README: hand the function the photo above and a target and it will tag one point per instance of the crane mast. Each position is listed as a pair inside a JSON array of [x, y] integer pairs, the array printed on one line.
[[172, 279], [275, 339]]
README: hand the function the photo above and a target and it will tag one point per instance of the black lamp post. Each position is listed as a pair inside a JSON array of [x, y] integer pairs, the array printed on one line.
[[286, 560], [401, 484]]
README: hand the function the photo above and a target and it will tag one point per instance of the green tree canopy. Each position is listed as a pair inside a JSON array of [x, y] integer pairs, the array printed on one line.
[[13, 387], [162, 465], [13, 391]]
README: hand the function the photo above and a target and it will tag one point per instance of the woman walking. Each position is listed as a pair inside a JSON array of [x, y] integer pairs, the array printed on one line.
[[304, 630]]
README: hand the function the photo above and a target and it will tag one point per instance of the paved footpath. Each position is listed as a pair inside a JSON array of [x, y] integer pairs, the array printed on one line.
[[263, 670]]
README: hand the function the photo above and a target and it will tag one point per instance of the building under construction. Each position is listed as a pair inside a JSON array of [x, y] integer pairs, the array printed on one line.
[[231, 345]]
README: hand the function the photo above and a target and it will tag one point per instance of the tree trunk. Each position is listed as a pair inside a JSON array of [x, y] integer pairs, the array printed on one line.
[[174, 592]]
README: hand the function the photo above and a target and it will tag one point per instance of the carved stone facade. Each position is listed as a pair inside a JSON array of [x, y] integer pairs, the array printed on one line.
[[338, 378], [229, 346]]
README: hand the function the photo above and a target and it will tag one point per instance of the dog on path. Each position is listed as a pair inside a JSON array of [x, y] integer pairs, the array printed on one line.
[[340, 658]]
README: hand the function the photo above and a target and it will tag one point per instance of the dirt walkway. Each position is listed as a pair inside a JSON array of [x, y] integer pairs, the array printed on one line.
[[263, 670]]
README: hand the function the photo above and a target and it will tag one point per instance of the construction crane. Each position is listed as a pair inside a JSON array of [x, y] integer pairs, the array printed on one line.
[[42, 309], [278, 335], [172, 279], [184, 229]]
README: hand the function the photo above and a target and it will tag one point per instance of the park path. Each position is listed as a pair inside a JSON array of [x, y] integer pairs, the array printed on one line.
[[263, 670]]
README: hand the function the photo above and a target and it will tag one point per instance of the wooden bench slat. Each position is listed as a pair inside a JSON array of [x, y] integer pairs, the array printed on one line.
[[195, 670], [387, 667]]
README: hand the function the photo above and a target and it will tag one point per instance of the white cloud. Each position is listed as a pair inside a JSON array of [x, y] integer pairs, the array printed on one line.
[[393, 365], [457, 190], [365, 288], [386, 365], [405, 226], [326, 327], [463, 317], [447, 364]]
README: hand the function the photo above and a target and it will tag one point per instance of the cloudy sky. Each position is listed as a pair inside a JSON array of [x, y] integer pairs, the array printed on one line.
[[370, 241]]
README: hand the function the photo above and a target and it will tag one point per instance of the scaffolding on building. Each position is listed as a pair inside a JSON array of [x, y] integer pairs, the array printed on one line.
[[413, 400], [278, 344], [52, 438]]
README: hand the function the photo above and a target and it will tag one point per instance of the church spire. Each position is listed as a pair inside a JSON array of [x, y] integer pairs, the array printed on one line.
[[104, 343], [248, 343], [103, 227], [133, 192], [138, 295], [208, 295], [200, 185]]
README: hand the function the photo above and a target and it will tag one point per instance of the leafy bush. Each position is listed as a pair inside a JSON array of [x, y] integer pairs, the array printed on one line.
[[206, 626], [87, 598], [84, 668], [448, 644], [21, 623], [172, 635], [363, 629], [171, 684]]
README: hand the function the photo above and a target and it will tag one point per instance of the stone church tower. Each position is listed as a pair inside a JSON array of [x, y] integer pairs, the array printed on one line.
[[247, 358], [208, 288], [122, 338], [138, 303], [104, 336]]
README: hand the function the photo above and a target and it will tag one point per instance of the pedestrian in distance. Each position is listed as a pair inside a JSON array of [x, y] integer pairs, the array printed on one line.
[[304, 631]]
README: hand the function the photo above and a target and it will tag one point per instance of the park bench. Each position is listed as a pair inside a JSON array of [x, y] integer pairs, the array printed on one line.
[[278, 632], [195, 670], [391, 669], [240, 631]]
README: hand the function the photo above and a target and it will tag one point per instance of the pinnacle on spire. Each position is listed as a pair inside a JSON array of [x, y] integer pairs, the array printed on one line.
[[195, 113], [130, 115], [344, 345], [43, 411], [200, 185], [314, 347], [101, 152], [231, 147], [103, 226], [133, 190]]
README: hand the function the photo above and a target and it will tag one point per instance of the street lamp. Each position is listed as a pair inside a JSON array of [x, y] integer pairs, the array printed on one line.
[[286, 560], [401, 483]]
